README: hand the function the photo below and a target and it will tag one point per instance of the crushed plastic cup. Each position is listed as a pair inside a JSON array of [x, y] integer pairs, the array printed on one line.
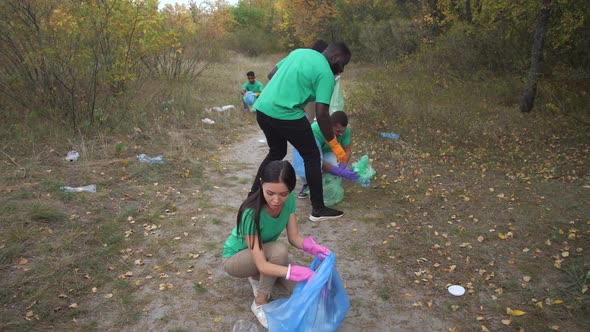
[[389, 135], [244, 326], [72, 156], [89, 188], [145, 159]]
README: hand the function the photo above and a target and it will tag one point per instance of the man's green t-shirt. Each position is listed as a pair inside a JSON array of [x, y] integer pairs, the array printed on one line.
[[270, 228], [256, 87], [344, 139], [303, 76]]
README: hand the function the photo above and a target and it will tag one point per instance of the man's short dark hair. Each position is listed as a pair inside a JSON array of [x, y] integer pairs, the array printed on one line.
[[250, 73], [320, 45], [338, 47], [339, 117]]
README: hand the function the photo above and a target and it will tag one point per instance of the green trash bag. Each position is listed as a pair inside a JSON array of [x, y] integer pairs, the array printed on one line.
[[337, 100], [364, 170], [333, 191]]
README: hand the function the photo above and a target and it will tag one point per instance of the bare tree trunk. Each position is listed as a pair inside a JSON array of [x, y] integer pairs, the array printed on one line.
[[528, 97]]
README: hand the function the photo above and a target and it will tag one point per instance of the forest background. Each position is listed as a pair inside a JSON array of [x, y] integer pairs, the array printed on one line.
[[496, 86]]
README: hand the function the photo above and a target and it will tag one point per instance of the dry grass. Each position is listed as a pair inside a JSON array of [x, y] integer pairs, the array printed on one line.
[[474, 194], [477, 194]]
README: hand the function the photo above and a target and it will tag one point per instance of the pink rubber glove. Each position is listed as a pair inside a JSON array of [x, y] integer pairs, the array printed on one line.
[[310, 246], [298, 273], [344, 173]]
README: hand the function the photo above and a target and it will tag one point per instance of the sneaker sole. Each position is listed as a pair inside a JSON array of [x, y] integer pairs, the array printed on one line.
[[312, 218]]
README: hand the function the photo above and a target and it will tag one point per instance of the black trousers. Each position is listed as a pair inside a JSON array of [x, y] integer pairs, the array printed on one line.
[[299, 134]]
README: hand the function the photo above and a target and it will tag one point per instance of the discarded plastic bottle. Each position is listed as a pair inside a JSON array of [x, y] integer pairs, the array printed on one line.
[[89, 188], [390, 135], [145, 159]]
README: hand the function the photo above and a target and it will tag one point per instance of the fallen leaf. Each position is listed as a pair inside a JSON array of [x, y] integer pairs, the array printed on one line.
[[557, 301], [515, 312], [526, 278], [108, 296], [554, 327], [506, 321], [217, 319], [73, 305], [22, 261], [480, 239], [484, 329]]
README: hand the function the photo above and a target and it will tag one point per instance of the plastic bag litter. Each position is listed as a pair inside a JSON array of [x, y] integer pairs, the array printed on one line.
[[244, 326], [220, 109], [333, 191], [363, 168], [72, 156], [337, 100], [145, 159], [249, 98], [89, 188], [319, 304]]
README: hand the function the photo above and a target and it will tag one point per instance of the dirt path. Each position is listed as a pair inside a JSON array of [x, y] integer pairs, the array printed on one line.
[[205, 298]]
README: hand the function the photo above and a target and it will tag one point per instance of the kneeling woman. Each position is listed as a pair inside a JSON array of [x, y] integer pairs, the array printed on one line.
[[252, 251]]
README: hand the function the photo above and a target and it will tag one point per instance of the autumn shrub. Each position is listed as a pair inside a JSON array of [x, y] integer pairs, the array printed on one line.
[[466, 49], [390, 39], [252, 42], [473, 119]]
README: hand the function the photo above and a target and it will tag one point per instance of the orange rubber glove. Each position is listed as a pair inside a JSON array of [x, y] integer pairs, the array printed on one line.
[[338, 150]]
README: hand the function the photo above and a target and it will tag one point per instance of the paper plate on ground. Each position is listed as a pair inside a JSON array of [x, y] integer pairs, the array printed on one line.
[[456, 290]]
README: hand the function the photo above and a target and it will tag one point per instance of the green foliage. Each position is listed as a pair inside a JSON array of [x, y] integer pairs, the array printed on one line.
[[391, 39]]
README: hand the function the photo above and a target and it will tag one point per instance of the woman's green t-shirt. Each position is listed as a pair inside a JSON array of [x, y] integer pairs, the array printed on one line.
[[270, 228]]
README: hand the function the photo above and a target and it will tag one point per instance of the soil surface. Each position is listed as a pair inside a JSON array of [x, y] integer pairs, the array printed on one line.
[[205, 298]]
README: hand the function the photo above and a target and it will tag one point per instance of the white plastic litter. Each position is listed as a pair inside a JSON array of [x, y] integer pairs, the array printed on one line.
[[89, 188], [208, 121], [456, 290], [244, 326], [72, 156], [220, 109], [145, 159]]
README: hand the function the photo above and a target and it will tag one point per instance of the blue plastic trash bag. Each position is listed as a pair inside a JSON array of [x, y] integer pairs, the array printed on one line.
[[319, 304], [249, 98], [298, 164]]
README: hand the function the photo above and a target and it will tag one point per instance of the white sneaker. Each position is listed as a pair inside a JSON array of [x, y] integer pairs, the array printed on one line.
[[259, 313], [255, 285]]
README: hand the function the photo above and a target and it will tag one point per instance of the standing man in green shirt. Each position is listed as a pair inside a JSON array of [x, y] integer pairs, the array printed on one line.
[[304, 75]]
